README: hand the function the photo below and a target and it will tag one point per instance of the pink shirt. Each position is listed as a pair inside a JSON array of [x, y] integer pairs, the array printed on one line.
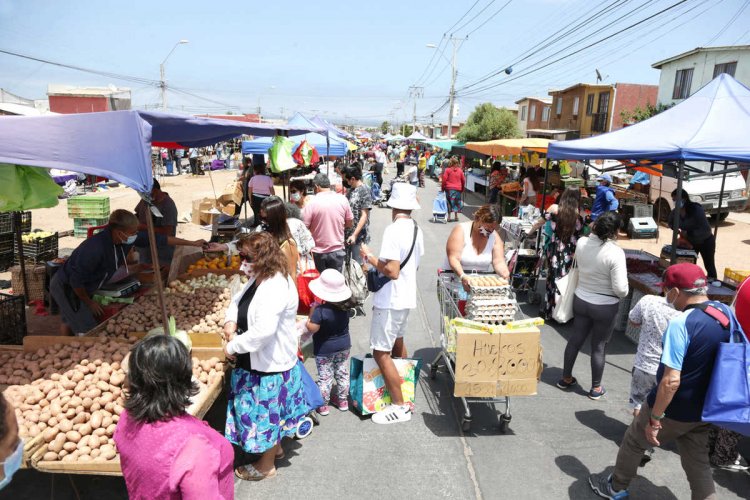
[[260, 184], [182, 458], [325, 215]]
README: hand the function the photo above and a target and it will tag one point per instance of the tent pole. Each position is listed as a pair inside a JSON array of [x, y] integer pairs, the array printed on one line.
[[676, 221], [157, 272], [544, 198], [721, 197], [21, 260]]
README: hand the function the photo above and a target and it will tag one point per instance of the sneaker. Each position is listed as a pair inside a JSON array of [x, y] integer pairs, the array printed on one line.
[[562, 384], [343, 406], [392, 414], [646, 458], [323, 411], [597, 394], [602, 486]]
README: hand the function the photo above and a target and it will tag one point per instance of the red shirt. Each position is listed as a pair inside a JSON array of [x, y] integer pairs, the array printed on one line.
[[453, 179]]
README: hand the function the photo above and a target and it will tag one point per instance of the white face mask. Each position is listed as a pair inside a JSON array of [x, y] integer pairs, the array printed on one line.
[[295, 196], [671, 302], [12, 464], [247, 268], [484, 232]]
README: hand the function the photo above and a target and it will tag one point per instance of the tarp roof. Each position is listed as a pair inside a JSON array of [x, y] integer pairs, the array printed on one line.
[[447, 145], [712, 124], [338, 146], [113, 144], [416, 136], [509, 146], [331, 127]]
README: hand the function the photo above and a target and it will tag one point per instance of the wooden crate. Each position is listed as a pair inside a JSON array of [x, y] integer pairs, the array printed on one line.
[[112, 467]]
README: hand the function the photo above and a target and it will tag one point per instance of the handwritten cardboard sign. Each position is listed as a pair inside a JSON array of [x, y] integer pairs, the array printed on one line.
[[505, 364]]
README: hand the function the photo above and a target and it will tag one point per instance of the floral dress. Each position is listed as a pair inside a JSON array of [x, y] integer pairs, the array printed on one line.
[[559, 256]]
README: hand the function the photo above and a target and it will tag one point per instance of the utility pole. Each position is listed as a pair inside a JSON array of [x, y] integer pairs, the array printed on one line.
[[162, 79], [415, 93], [452, 96]]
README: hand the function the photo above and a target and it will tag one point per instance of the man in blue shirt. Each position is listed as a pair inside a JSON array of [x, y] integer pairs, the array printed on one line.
[[605, 200], [674, 408]]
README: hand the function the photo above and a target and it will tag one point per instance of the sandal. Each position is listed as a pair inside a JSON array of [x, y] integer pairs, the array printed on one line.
[[250, 473], [280, 455]]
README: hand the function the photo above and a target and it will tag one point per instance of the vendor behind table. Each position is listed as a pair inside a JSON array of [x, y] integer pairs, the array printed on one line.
[[166, 224], [695, 231]]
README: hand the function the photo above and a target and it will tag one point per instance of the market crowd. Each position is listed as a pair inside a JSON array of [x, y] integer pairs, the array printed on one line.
[[323, 232]]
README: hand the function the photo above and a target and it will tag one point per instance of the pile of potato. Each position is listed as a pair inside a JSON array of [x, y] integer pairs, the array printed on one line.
[[76, 402], [201, 311]]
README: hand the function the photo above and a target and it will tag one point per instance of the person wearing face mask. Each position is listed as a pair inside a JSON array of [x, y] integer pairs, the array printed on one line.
[[605, 199], [11, 445], [476, 246], [695, 229], [266, 398], [673, 409], [297, 193], [166, 224], [106, 257]]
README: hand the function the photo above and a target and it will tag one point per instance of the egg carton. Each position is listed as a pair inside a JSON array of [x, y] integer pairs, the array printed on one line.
[[493, 319], [492, 291], [487, 302]]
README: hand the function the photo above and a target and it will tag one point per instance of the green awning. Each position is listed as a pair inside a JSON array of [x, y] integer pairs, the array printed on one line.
[[447, 145]]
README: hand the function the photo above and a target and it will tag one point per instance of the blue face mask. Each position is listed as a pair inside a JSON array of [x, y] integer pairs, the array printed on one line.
[[679, 203], [12, 464], [130, 239]]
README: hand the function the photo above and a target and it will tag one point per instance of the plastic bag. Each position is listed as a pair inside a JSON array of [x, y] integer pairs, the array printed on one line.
[[280, 154], [24, 188]]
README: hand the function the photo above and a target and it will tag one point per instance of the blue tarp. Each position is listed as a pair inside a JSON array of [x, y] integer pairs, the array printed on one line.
[[712, 124], [332, 128], [318, 141], [114, 144]]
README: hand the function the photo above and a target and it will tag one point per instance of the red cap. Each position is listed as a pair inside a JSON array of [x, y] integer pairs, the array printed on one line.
[[684, 276]]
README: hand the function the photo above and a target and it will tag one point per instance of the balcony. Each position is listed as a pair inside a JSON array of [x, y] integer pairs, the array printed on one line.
[[599, 122]]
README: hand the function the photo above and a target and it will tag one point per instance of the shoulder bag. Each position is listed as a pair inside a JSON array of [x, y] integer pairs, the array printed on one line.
[[377, 280], [566, 286]]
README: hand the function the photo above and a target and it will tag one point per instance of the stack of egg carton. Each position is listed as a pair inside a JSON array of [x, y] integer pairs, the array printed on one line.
[[491, 300]]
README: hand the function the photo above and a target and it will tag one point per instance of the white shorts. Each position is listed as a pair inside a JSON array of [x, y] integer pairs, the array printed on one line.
[[387, 326]]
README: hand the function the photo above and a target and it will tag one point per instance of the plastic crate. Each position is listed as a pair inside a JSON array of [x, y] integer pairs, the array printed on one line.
[[39, 250], [81, 225], [6, 222], [88, 207], [735, 276], [13, 319]]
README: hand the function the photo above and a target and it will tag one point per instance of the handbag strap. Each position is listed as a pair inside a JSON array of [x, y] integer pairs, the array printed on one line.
[[727, 320], [413, 242]]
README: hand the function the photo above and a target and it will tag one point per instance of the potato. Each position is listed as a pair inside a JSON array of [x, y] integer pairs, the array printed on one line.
[[57, 444], [85, 429], [50, 456], [65, 425], [108, 453], [96, 420], [69, 446], [95, 452], [49, 434], [73, 436]]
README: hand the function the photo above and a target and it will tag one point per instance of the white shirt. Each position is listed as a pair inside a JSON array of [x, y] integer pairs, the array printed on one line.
[[271, 337], [413, 173], [653, 314], [380, 157], [528, 187], [400, 293], [470, 259], [602, 273]]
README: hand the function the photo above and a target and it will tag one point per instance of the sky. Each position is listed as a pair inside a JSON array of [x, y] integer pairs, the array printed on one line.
[[351, 62]]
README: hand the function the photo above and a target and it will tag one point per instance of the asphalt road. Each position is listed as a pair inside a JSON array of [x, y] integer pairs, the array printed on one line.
[[556, 438]]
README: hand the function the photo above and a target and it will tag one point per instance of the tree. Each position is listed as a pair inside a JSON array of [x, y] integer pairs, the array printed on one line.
[[385, 127], [639, 114], [488, 122], [406, 130]]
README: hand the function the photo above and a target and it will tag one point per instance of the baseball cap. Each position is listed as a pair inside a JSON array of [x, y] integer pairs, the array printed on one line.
[[684, 276], [604, 177]]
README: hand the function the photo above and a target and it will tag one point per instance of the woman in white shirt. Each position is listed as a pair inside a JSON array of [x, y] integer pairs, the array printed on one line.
[[266, 398], [602, 282], [476, 246], [530, 187]]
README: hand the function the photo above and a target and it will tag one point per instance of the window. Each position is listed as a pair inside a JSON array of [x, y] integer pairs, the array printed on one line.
[[728, 68], [682, 80], [589, 104], [532, 112], [575, 106], [523, 113], [558, 106], [545, 113]]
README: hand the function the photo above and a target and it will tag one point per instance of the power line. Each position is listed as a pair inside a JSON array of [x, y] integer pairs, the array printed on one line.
[[475, 16], [489, 18], [597, 42], [730, 23], [461, 18]]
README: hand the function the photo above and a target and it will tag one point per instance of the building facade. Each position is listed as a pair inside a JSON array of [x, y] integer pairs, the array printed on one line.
[[584, 110], [682, 75], [68, 99], [533, 113]]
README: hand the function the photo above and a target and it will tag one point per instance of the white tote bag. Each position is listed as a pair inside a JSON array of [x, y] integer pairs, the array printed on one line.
[[563, 311]]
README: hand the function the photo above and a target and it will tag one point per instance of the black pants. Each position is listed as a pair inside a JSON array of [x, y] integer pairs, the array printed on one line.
[[194, 167], [255, 202], [399, 168], [707, 251], [378, 171]]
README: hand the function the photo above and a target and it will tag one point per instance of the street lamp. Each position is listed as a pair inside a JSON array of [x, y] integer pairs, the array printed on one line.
[[162, 79], [452, 96]]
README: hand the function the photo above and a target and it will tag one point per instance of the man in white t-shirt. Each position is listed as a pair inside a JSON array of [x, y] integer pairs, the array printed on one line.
[[401, 250]]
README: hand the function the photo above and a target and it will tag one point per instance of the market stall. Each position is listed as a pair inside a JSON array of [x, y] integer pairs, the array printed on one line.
[[710, 125]]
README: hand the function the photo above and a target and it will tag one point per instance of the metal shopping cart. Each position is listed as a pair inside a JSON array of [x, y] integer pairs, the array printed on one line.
[[524, 259], [449, 290]]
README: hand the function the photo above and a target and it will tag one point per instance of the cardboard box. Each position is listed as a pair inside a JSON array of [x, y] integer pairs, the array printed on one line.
[[508, 363], [203, 211]]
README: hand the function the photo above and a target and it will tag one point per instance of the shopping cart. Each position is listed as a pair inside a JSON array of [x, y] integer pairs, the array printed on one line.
[[525, 265], [449, 289]]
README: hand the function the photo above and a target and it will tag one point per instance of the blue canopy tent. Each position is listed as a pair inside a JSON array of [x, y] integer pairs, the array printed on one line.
[[324, 143], [116, 145], [711, 125], [332, 128]]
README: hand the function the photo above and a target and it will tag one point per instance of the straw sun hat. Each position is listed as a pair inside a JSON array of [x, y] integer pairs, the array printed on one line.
[[330, 286]]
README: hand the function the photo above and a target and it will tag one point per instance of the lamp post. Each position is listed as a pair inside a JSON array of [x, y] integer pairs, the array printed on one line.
[[452, 95], [162, 79]]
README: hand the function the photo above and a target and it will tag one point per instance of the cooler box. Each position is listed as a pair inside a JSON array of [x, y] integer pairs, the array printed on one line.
[[642, 228]]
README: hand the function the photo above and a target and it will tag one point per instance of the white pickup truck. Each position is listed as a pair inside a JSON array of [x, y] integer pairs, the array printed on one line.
[[703, 190]]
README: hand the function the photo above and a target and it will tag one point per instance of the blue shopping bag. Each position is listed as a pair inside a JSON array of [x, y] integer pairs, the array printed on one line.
[[727, 402], [312, 392]]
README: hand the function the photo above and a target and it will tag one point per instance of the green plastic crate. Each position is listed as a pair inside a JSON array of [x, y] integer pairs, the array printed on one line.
[[81, 225], [90, 207]]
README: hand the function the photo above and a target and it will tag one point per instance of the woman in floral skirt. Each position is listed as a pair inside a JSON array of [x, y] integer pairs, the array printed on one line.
[[266, 397], [565, 227]]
